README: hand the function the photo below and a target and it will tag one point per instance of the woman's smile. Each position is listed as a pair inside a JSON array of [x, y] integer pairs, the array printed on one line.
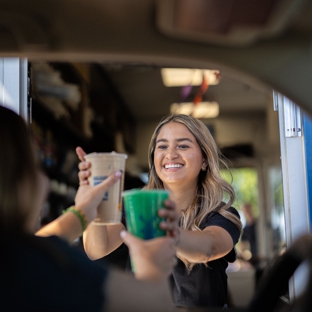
[[173, 166]]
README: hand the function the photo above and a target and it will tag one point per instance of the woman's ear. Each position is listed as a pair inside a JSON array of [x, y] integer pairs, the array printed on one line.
[[204, 165]]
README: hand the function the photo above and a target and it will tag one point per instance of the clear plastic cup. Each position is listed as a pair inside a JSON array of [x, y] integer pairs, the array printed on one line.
[[102, 165]]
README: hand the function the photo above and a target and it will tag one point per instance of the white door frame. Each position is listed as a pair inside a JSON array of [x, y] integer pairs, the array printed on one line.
[[294, 180], [14, 85]]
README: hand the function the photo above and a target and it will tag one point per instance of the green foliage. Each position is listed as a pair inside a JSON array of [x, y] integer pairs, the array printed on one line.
[[245, 184]]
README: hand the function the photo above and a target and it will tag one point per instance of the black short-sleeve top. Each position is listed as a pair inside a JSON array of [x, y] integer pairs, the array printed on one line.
[[46, 274]]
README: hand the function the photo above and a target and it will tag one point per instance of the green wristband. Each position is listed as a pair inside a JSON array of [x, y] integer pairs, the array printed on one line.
[[82, 218]]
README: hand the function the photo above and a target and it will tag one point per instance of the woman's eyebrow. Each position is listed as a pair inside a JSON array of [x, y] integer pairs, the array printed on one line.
[[161, 140], [178, 140], [184, 139]]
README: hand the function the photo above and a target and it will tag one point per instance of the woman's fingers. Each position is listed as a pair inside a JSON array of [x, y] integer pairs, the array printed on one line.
[[169, 214], [83, 175], [171, 229], [171, 225], [84, 165], [169, 204], [167, 226], [83, 182], [80, 153]]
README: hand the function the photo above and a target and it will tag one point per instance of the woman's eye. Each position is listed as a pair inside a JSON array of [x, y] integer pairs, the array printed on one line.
[[182, 146], [161, 146]]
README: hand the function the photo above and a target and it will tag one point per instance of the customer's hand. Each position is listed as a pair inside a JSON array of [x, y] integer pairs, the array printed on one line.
[[89, 197], [171, 225], [153, 259], [83, 166], [87, 200]]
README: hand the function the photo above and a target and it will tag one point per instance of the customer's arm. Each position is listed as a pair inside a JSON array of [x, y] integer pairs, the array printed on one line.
[[153, 261], [125, 293]]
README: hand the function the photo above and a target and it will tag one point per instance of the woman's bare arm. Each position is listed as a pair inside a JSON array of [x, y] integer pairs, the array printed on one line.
[[101, 240], [98, 240], [210, 244]]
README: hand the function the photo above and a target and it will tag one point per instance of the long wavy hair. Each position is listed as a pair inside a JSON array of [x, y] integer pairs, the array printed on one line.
[[18, 173], [211, 186]]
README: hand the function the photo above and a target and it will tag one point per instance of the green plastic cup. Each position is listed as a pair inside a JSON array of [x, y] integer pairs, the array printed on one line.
[[141, 208]]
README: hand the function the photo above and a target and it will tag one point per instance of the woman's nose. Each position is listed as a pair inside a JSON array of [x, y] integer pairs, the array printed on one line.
[[172, 153]]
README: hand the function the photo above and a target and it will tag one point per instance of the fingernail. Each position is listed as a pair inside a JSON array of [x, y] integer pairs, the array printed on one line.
[[118, 174], [122, 234], [162, 224]]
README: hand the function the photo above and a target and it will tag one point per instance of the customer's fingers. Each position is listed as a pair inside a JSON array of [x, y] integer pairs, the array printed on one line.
[[129, 239], [109, 181]]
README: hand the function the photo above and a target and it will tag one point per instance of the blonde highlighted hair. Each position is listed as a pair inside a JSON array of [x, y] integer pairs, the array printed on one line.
[[211, 186]]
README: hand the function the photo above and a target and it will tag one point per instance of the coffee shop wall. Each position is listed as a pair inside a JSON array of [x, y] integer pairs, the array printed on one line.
[[74, 105]]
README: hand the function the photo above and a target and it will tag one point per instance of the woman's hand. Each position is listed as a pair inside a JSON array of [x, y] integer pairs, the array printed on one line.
[[172, 220], [153, 259], [89, 197], [83, 166]]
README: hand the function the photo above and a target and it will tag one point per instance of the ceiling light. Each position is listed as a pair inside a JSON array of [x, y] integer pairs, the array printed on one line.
[[200, 110], [179, 77]]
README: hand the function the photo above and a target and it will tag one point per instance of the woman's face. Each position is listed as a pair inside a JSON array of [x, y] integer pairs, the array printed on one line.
[[177, 157]]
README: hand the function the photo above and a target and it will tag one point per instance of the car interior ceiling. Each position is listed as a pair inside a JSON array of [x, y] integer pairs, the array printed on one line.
[[95, 31]]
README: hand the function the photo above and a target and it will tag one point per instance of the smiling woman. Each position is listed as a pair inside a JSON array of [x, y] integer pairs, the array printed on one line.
[[184, 159]]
